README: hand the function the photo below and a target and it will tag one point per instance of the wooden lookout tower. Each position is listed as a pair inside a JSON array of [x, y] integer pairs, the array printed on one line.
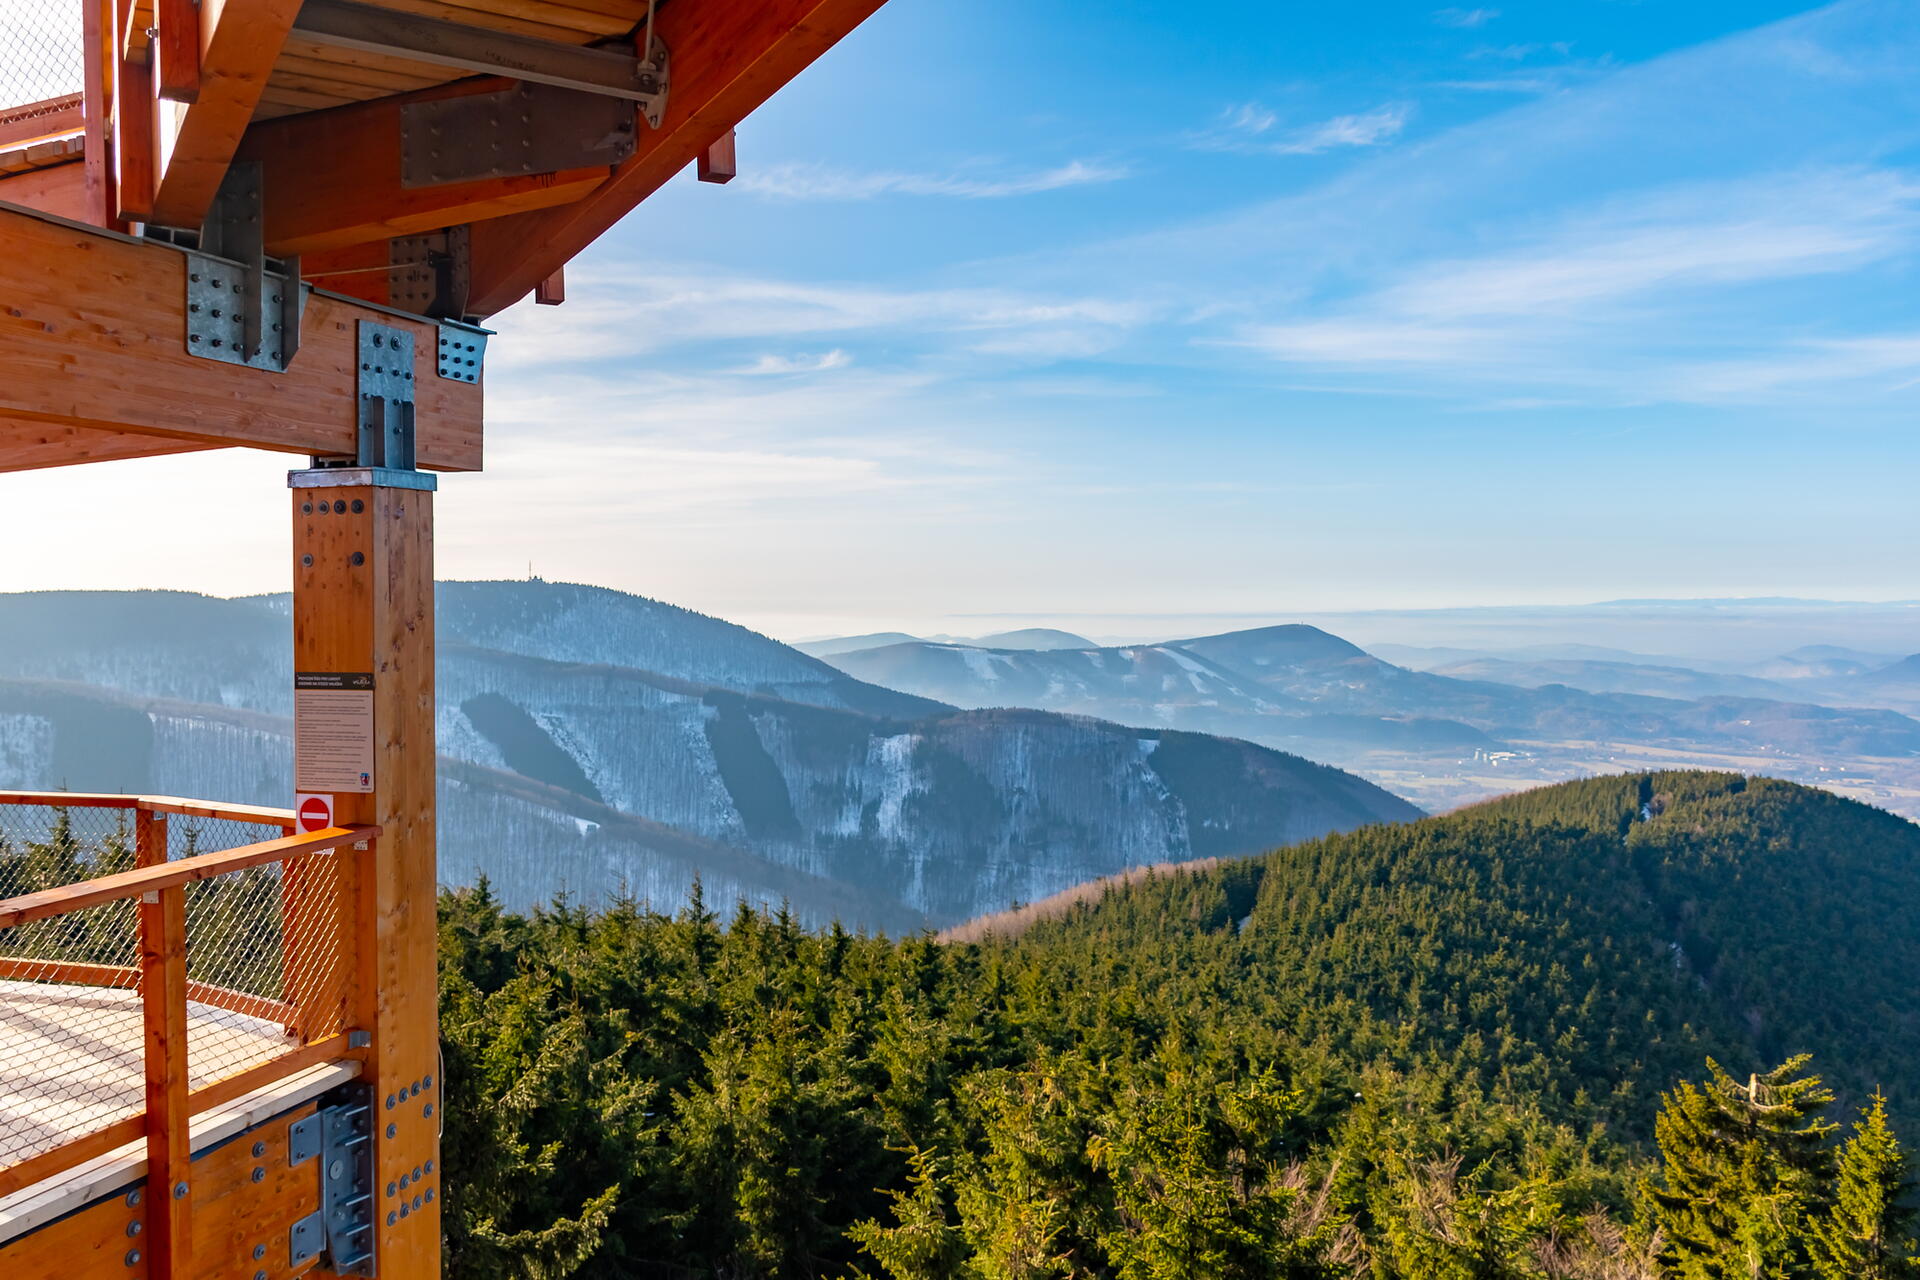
[[282, 224]]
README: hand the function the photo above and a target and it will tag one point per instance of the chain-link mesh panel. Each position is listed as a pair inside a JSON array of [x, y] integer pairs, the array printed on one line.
[[264, 963], [42, 51], [266, 968], [71, 1031], [43, 847], [187, 837]]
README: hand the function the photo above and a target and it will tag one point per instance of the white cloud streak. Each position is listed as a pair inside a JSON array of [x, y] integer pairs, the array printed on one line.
[[821, 182], [1468, 18], [1251, 127]]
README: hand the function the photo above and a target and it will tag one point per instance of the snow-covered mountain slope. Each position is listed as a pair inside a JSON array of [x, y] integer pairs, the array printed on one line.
[[565, 770]]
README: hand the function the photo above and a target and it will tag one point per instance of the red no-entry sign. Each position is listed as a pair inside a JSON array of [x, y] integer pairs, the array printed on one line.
[[313, 812]]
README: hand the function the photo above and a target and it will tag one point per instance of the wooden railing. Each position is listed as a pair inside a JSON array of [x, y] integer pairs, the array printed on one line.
[[314, 898]]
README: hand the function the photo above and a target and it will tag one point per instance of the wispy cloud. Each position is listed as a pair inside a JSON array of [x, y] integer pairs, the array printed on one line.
[[1253, 127], [1573, 300], [1465, 17], [778, 366], [1519, 52], [635, 309], [823, 182]]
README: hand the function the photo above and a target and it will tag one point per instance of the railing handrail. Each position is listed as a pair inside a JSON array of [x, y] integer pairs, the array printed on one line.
[[262, 814], [60, 900]]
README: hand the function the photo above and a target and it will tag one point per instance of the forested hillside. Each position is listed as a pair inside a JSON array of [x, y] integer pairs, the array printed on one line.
[[1431, 1050]]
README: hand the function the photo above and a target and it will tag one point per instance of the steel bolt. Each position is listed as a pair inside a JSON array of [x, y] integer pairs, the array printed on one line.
[[393, 1131], [133, 1257], [179, 1191], [135, 1227], [306, 562], [259, 1149], [259, 1174], [133, 1196], [259, 1252]]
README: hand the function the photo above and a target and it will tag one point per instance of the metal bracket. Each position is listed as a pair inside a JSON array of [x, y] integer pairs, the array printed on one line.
[[303, 1140], [238, 310], [462, 352], [346, 1182], [431, 273], [306, 1238], [530, 128], [386, 394]]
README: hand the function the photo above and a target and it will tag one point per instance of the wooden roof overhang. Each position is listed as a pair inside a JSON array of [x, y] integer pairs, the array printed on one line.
[[336, 110]]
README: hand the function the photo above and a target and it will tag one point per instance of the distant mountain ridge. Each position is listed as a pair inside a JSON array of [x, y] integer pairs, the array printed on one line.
[[568, 766], [1299, 688]]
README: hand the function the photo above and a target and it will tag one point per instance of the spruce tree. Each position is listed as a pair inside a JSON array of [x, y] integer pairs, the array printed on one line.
[[1746, 1166], [1868, 1233]]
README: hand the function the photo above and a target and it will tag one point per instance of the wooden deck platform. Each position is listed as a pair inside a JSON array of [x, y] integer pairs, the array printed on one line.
[[71, 1059]]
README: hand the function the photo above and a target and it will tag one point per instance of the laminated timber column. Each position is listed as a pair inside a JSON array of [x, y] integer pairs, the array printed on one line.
[[363, 643]]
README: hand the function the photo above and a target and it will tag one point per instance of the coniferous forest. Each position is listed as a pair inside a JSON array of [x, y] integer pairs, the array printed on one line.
[[1643, 1026]]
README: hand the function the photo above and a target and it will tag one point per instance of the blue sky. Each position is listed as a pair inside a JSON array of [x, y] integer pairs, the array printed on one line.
[[1060, 311]]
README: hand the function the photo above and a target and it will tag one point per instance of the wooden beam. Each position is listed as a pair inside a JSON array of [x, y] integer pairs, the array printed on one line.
[[61, 190], [363, 28], [332, 178], [719, 163], [30, 446], [100, 59], [43, 119], [133, 141], [239, 41], [727, 60], [176, 50], [93, 338], [552, 291], [374, 612]]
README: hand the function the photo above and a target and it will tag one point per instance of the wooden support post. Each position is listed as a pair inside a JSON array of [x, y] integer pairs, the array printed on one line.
[[363, 605], [101, 57], [552, 291], [163, 1002]]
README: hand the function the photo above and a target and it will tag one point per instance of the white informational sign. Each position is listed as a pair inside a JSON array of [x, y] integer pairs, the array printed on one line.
[[332, 732], [312, 812]]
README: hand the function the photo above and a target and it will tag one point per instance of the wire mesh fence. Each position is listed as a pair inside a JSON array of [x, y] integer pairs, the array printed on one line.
[[71, 1041], [265, 966], [42, 50], [266, 957]]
